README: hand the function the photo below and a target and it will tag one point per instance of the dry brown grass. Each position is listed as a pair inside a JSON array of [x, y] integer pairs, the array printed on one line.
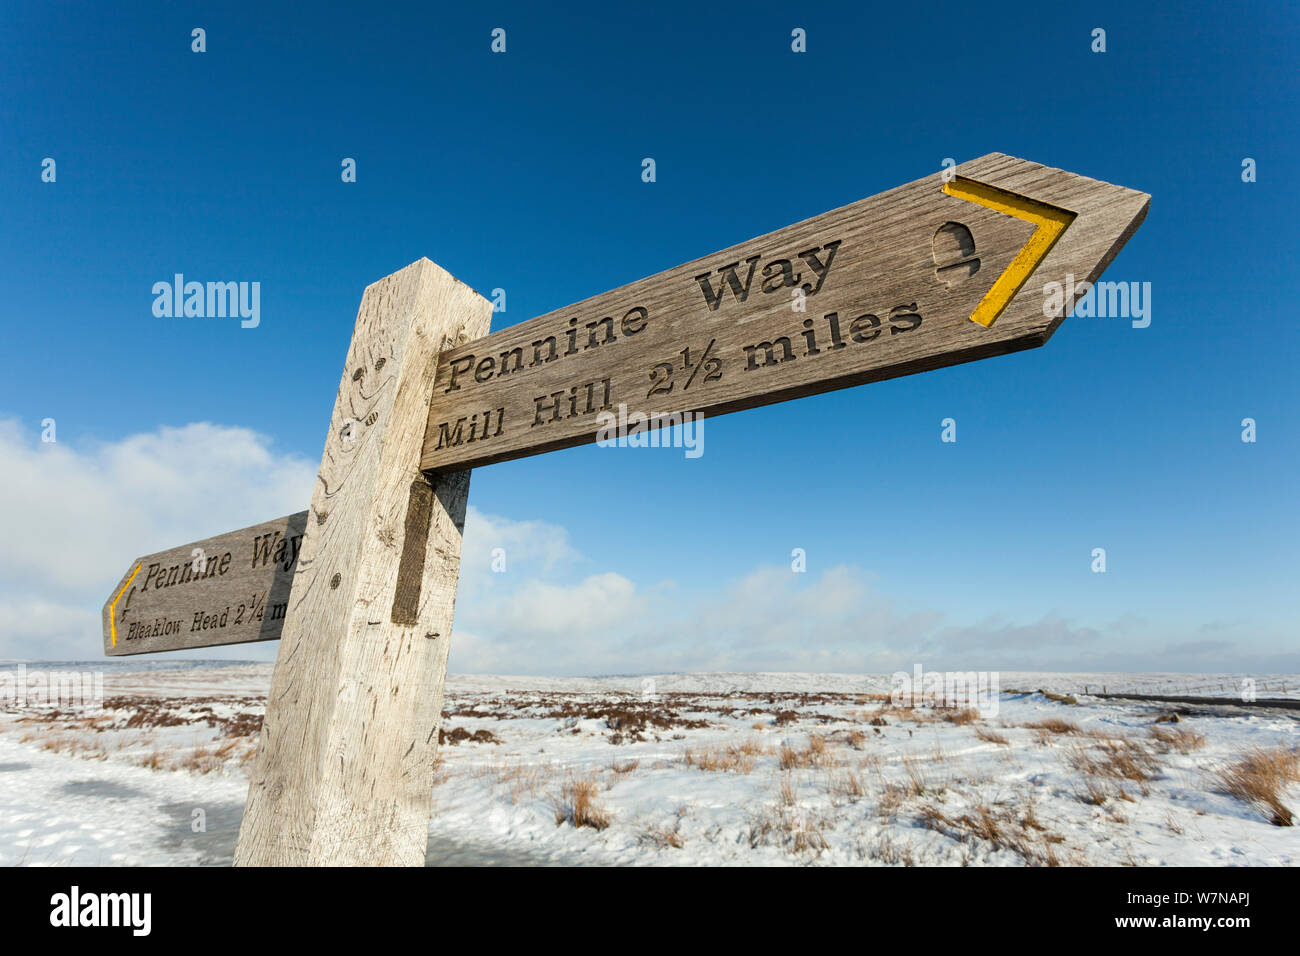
[[1115, 759], [1095, 793], [1177, 738], [1260, 778], [74, 746], [894, 793], [849, 785], [815, 755], [1029, 816], [797, 830], [965, 715], [663, 836], [916, 784], [787, 824], [199, 760], [68, 739], [733, 758], [991, 736], [524, 780], [806, 836], [1054, 725], [153, 761], [1001, 827], [885, 850], [85, 738], [1059, 698], [577, 804], [790, 757], [624, 766], [1112, 759], [890, 800], [917, 715]]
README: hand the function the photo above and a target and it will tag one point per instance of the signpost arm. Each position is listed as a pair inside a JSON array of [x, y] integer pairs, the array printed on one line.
[[344, 769]]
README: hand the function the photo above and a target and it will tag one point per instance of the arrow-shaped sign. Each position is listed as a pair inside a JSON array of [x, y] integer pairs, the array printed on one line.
[[934, 273], [231, 589]]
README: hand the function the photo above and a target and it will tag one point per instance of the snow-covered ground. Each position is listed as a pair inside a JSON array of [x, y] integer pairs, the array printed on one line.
[[701, 769]]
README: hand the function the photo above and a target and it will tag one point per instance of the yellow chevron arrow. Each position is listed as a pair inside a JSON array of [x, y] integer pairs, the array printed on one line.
[[1050, 220], [112, 608]]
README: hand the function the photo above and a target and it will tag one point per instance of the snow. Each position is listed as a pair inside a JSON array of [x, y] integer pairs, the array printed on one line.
[[687, 769]]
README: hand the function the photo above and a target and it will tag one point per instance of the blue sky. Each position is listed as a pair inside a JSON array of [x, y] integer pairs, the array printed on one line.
[[522, 171]]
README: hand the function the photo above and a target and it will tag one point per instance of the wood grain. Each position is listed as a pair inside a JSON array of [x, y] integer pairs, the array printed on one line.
[[881, 262], [344, 770], [231, 589]]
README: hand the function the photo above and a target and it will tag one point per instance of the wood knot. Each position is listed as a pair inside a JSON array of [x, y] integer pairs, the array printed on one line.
[[336, 580], [356, 376]]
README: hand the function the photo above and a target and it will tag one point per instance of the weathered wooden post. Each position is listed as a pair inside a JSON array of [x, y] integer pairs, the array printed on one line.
[[344, 771]]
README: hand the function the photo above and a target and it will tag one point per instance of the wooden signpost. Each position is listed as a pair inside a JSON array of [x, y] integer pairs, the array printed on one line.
[[360, 588]]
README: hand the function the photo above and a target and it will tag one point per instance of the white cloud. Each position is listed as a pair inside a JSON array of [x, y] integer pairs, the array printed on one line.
[[602, 602], [525, 546], [770, 619], [774, 620], [74, 517]]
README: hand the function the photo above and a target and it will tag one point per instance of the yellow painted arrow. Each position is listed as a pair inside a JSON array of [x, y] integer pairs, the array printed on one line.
[[112, 608], [1050, 220]]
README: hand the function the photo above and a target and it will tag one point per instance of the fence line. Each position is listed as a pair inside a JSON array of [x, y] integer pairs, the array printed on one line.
[[1282, 686]]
